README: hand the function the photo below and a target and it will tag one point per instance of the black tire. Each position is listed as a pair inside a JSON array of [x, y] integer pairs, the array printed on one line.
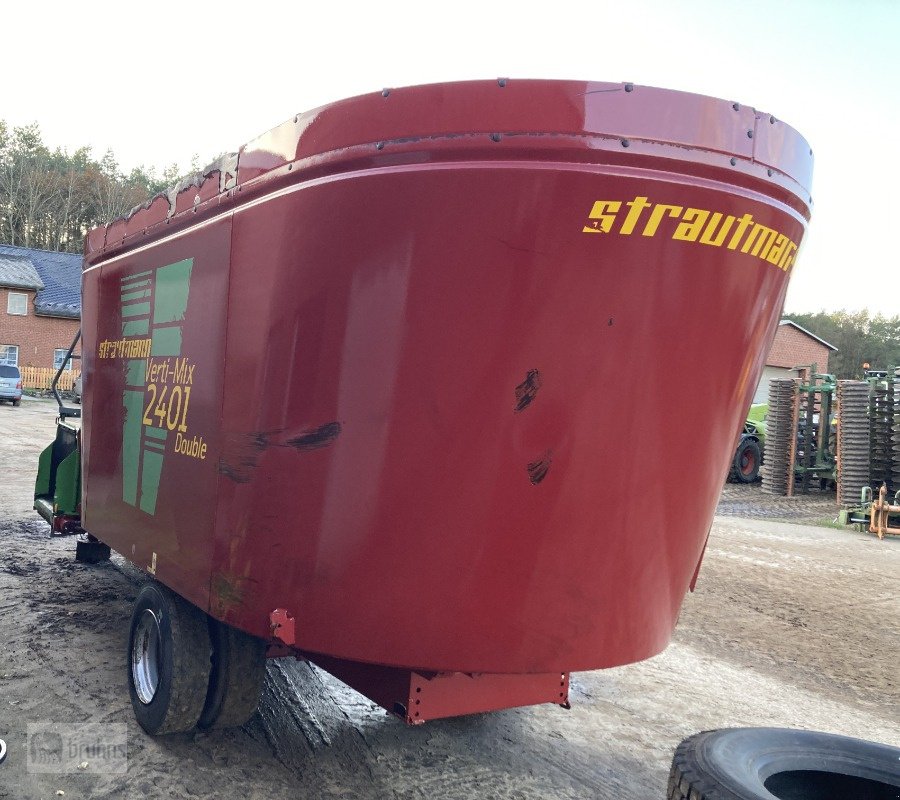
[[747, 459], [180, 659], [236, 680], [782, 764], [17, 403]]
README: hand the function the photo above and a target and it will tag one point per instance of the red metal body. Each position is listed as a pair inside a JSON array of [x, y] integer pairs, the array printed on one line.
[[430, 336]]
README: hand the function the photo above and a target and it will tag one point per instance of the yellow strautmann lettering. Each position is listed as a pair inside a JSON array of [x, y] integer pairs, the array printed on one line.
[[124, 348], [695, 225]]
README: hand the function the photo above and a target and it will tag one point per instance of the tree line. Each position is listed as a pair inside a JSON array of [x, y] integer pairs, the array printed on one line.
[[50, 199], [860, 338]]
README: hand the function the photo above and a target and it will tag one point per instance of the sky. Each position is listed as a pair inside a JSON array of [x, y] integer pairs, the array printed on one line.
[[164, 82]]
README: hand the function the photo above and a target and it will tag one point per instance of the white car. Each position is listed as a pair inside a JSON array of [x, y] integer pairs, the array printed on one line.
[[10, 384]]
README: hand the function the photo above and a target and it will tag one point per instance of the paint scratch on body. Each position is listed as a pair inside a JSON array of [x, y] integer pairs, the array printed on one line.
[[242, 452], [317, 438], [537, 470], [527, 390]]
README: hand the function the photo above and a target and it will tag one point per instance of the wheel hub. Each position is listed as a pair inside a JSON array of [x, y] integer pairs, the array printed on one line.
[[747, 462], [145, 657]]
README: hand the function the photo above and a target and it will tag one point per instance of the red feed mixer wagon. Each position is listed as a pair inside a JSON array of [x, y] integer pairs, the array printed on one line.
[[365, 392]]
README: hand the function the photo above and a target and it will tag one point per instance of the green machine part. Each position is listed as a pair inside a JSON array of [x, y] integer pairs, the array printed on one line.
[[45, 472], [67, 497], [57, 488], [758, 412]]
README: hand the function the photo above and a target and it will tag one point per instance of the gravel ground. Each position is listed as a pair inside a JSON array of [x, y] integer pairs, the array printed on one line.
[[791, 625], [751, 502]]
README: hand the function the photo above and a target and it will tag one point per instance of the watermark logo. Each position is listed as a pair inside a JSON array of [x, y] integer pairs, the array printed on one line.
[[91, 746]]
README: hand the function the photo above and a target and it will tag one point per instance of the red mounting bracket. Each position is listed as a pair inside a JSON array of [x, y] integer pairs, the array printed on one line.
[[282, 625]]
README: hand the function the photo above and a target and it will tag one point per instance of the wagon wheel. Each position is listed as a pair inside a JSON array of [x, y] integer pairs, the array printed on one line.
[[168, 661], [745, 467], [236, 679]]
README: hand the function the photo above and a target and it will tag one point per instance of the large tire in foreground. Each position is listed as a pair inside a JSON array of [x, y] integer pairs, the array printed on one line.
[[747, 459], [168, 661], [782, 764], [236, 680]]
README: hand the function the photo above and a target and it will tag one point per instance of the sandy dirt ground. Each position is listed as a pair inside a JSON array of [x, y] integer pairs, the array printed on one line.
[[791, 625]]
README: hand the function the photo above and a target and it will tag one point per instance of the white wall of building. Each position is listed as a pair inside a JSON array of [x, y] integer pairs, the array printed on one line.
[[769, 373]]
